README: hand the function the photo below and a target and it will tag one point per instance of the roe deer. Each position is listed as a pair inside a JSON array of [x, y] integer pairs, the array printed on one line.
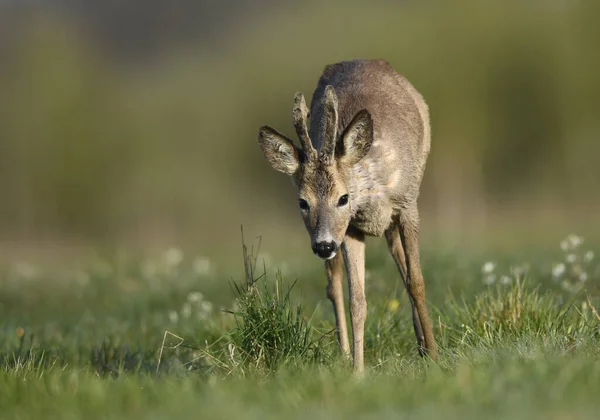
[[358, 172]]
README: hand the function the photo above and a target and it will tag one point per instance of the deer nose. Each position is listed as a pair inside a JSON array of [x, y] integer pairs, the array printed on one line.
[[325, 249]]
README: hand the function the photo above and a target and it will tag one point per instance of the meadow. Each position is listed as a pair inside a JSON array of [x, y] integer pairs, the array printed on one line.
[[177, 335], [126, 127]]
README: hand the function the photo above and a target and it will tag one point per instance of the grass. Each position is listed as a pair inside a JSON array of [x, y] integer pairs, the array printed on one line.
[[176, 337]]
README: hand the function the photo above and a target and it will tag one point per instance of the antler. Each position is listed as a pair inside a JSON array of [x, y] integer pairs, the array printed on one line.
[[300, 114], [329, 127]]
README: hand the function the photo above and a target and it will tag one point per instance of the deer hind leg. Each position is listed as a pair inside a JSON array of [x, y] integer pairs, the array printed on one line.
[[394, 242], [409, 233], [353, 250], [335, 293]]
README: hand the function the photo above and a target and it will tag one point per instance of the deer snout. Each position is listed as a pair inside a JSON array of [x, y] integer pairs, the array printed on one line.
[[325, 250]]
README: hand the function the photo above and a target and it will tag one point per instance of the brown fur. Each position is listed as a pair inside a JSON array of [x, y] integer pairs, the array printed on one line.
[[369, 138]]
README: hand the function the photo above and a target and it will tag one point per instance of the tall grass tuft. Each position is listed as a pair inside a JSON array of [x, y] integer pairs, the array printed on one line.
[[508, 313], [270, 330], [26, 359]]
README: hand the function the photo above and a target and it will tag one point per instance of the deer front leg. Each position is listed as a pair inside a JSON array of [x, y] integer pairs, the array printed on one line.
[[353, 250], [394, 241], [335, 294], [409, 232]]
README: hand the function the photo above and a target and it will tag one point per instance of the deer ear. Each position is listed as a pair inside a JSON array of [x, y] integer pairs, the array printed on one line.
[[357, 138], [279, 150]]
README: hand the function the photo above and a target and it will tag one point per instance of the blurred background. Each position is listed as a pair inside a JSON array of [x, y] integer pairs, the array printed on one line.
[[134, 124]]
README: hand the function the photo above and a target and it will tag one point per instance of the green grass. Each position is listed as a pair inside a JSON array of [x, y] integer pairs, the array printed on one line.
[[128, 338]]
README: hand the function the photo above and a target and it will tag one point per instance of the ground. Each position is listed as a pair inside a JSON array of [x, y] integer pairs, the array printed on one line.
[[176, 336]]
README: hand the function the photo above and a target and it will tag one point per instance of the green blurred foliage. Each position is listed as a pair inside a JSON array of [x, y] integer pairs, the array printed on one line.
[[95, 149]]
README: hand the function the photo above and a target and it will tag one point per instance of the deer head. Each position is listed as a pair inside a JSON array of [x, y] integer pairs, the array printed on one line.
[[321, 177]]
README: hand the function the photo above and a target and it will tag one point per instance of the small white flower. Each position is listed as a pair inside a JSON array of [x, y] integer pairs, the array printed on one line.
[[589, 256], [565, 245], [489, 279], [204, 310], [558, 270], [195, 297], [173, 316], [201, 266], [173, 257], [186, 310], [583, 277], [505, 280], [571, 258], [488, 267], [520, 270], [206, 307], [575, 240]]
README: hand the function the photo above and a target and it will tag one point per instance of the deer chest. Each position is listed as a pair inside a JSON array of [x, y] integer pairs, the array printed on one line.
[[373, 217]]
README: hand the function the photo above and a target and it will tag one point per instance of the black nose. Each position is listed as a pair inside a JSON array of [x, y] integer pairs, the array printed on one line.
[[324, 249]]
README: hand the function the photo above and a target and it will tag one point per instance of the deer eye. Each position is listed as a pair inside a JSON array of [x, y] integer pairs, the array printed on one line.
[[343, 200], [303, 204]]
